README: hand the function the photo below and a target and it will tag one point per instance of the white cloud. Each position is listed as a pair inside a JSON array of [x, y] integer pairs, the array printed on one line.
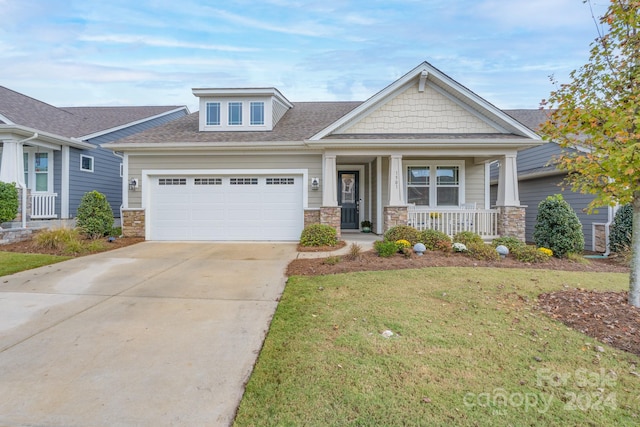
[[160, 42]]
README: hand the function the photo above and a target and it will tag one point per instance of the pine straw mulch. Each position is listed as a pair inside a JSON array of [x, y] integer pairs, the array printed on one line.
[[30, 247], [605, 316]]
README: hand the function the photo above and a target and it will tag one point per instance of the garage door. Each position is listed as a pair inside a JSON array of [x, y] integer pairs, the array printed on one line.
[[226, 208]]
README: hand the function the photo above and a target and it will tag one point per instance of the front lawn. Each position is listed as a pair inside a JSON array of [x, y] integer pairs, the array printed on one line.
[[13, 262], [469, 347]]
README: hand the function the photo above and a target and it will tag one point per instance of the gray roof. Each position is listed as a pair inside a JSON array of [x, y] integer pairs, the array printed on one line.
[[71, 121], [532, 119], [302, 121]]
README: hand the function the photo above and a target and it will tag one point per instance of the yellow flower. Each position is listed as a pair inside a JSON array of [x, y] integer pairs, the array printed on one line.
[[403, 243], [434, 215], [547, 252]]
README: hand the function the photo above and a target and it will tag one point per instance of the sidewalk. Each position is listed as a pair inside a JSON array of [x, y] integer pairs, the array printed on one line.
[[365, 240]]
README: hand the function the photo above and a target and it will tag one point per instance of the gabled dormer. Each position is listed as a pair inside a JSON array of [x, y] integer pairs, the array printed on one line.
[[249, 109]]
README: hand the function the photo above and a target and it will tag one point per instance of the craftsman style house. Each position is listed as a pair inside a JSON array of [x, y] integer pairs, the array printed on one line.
[[251, 165]]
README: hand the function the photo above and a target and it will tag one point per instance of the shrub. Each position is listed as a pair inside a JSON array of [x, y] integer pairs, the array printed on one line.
[[459, 247], [558, 227], [434, 239], [95, 217], [482, 252], [531, 254], [332, 260], [621, 229], [385, 248], [354, 252], [318, 235], [510, 242], [56, 238], [402, 232], [8, 201], [467, 237]]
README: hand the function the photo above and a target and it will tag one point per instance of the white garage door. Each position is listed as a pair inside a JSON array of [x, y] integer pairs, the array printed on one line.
[[226, 208]]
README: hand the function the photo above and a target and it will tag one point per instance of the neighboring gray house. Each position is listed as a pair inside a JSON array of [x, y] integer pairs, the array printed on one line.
[[55, 152], [539, 178]]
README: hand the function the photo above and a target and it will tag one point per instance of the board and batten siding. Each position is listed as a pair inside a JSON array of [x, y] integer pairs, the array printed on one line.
[[259, 163]]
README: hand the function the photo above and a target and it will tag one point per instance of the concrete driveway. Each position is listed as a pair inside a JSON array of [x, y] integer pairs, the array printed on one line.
[[153, 334]]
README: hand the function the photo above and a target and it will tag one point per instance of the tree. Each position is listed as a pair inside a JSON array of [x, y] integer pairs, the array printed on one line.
[[596, 119]]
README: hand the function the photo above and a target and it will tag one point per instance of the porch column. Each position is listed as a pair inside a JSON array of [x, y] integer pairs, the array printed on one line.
[[511, 219], [396, 193], [330, 185], [508, 182], [11, 168]]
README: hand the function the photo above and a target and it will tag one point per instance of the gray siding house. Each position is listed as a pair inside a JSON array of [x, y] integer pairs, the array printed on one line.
[[538, 178], [54, 153]]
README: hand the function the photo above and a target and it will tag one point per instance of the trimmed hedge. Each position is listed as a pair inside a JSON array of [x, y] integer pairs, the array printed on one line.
[[319, 235], [558, 227], [8, 201], [94, 217]]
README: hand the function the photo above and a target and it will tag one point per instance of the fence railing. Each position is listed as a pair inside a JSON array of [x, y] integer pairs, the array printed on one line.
[[43, 205], [451, 221]]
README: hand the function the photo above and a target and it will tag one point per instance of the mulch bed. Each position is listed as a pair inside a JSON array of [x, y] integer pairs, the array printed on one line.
[[29, 247]]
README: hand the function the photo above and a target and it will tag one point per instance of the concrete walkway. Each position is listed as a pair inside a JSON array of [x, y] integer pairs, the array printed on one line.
[[364, 240], [154, 334]]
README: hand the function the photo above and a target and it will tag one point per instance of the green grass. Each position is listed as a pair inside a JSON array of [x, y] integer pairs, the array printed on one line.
[[11, 262], [469, 348]]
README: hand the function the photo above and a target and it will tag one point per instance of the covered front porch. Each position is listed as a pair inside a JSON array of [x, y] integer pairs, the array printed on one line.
[[449, 194]]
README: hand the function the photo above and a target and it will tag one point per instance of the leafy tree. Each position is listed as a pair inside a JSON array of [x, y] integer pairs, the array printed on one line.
[[8, 201], [596, 119]]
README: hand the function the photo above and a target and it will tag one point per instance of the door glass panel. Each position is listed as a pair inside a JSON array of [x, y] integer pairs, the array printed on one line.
[[348, 188]]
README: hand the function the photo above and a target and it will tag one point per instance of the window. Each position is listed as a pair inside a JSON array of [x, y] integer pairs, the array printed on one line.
[[213, 114], [257, 113], [447, 186], [418, 185], [172, 181], [435, 184], [280, 181], [235, 113], [38, 169], [243, 181], [86, 163], [41, 169], [207, 181]]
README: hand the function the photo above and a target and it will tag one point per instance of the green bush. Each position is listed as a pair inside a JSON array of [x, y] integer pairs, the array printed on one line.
[[435, 240], [318, 235], [467, 237], [481, 251], [8, 201], [510, 242], [621, 229], [402, 232], [56, 238], [385, 248], [531, 254], [558, 227], [94, 217]]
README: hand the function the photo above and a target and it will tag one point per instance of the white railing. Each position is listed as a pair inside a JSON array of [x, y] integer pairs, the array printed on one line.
[[451, 221], [43, 205]]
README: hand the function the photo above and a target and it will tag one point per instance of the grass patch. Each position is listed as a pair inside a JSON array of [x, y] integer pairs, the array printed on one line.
[[469, 348], [11, 262]]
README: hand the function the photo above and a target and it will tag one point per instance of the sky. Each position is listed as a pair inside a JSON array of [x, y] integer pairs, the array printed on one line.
[[153, 52]]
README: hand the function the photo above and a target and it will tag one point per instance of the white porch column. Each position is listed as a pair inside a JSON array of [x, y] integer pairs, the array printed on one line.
[[330, 178], [12, 167], [64, 187], [508, 182], [396, 193]]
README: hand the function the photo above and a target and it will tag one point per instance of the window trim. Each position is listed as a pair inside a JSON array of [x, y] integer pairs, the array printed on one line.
[[31, 173], [219, 121], [82, 157], [252, 121], [234, 104], [433, 183]]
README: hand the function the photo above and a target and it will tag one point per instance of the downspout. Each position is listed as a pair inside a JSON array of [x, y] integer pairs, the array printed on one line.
[[121, 157], [607, 227], [23, 186]]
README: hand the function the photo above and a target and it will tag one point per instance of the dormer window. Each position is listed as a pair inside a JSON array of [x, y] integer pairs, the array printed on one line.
[[257, 113], [237, 110], [213, 114], [235, 114]]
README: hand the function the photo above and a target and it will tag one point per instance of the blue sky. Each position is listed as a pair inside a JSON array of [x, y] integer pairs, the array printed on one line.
[[152, 52]]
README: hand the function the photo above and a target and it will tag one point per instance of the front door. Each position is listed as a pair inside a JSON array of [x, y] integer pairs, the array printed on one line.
[[348, 199]]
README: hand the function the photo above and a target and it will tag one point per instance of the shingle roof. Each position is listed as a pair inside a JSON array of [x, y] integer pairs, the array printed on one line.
[[532, 119], [302, 121], [71, 121]]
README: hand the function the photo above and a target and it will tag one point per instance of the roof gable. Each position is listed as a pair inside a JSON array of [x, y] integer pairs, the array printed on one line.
[[426, 101]]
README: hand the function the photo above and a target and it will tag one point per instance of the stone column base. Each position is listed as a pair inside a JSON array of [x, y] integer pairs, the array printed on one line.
[[311, 216], [19, 216], [331, 215], [599, 237], [394, 215], [511, 221], [133, 222]]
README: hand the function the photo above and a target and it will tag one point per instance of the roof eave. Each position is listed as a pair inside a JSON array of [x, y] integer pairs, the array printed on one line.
[[46, 136]]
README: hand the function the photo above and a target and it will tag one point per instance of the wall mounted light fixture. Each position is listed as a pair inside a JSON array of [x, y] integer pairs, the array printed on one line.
[[133, 184], [315, 184]]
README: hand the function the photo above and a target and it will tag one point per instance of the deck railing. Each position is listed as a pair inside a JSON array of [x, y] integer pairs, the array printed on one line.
[[451, 221], [43, 205]]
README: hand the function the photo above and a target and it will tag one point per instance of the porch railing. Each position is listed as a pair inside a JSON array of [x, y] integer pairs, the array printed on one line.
[[43, 205], [451, 221]]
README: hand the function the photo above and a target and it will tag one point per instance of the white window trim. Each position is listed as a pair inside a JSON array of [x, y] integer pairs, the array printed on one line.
[[433, 165], [82, 157], [31, 152], [206, 114], [235, 104], [251, 103]]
